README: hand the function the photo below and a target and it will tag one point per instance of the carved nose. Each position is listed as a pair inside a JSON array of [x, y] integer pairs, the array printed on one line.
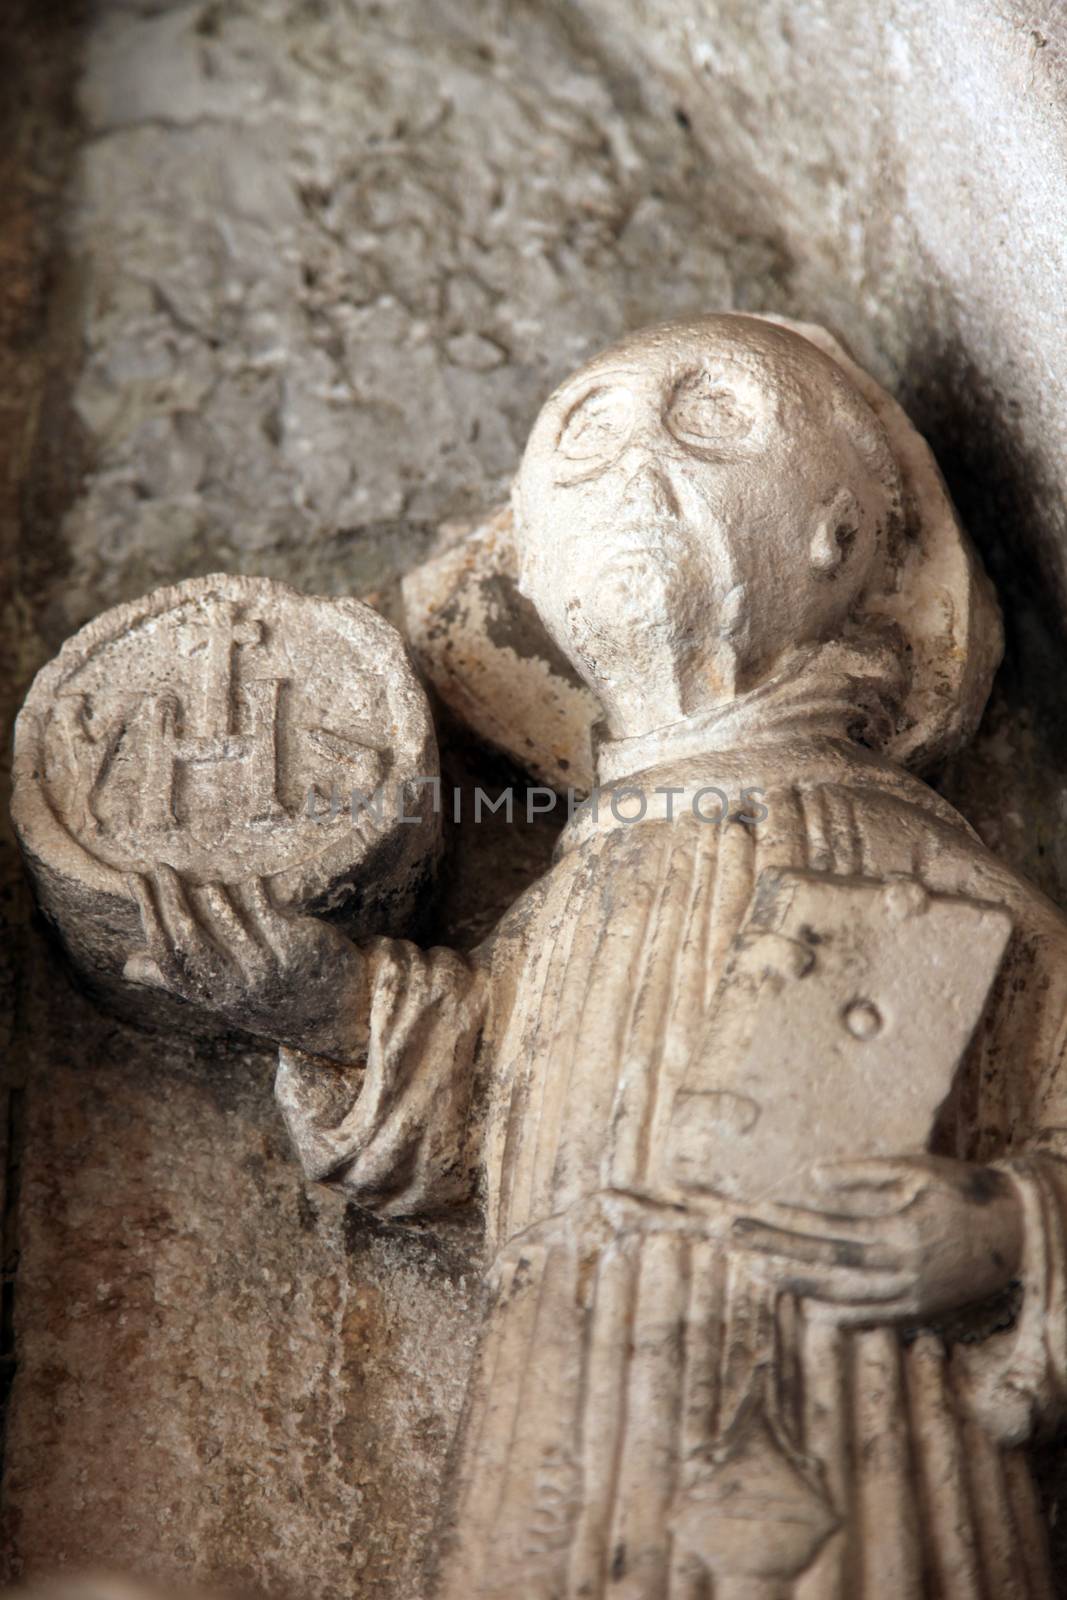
[[649, 492]]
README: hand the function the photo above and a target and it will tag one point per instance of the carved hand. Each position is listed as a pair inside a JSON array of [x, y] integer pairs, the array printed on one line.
[[230, 951], [897, 1238]]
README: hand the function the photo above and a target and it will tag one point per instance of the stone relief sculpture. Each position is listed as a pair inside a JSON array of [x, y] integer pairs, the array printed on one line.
[[763, 1098]]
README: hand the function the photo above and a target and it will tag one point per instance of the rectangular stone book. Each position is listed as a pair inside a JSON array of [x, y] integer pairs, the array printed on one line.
[[836, 1031]]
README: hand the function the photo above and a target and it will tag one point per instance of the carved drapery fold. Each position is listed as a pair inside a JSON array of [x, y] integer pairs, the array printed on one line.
[[685, 1410]]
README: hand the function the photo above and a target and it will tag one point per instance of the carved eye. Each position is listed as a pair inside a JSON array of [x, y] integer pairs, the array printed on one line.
[[598, 425], [708, 409]]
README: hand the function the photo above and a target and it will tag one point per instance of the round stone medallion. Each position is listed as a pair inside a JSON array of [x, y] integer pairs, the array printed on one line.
[[233, 730]]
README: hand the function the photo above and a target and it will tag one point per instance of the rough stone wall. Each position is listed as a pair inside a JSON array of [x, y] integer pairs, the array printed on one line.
[[319, 263], [332, 258]]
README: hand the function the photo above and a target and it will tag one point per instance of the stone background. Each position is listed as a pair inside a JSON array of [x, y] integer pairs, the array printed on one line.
[[282, 283]]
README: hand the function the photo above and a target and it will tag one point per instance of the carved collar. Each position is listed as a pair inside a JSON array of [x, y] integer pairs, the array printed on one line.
[[837, 691]]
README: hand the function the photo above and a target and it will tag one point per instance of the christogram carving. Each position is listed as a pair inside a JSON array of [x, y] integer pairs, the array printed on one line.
[[767, 1118], [181, 751]]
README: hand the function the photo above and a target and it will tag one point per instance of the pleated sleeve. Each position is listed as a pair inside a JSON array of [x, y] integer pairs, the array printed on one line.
[[395, 1131]]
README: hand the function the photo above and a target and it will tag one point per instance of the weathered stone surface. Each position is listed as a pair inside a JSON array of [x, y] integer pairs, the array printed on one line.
[[908, 167], [243, 739], [755, 569], [225, 1379], [756, 1099], [324, 209], [486, 652], [283, 218], [251, 284], [912, 166], [495, 664]]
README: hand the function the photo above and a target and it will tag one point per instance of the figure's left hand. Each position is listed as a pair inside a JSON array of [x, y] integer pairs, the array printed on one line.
[[892, 1239]]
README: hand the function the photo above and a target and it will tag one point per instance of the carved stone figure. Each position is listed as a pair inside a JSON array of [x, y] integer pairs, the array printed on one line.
[[760, 1085]]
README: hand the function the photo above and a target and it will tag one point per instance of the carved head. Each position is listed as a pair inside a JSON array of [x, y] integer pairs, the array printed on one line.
[[697, 503]]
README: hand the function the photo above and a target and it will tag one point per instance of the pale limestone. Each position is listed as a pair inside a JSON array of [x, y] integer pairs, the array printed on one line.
[[790, 1367], [489, 658], [271, 751], [492, 661], [275, 219]]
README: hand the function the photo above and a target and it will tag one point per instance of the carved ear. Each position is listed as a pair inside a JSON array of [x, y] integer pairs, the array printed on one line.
[[835, 532]]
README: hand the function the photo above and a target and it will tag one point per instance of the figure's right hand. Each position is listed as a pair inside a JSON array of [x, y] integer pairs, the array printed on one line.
[[228, 950], [893, 1238]]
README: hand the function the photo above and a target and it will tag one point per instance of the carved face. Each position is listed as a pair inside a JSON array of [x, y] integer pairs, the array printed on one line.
[[693, 505]]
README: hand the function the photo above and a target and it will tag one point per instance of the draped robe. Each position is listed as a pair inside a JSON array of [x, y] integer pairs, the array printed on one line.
[[649, 1417]]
